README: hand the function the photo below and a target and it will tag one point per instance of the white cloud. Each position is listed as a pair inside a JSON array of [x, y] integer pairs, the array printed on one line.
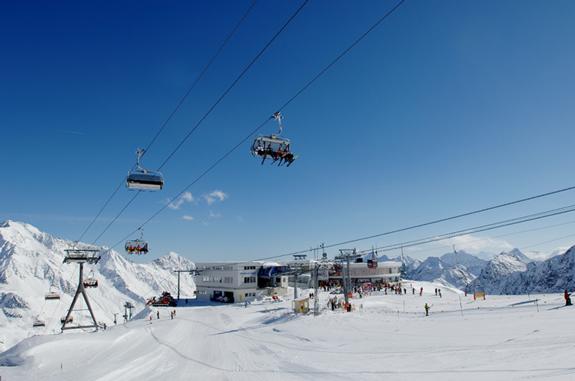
[[543, 255], [214, 215], [216, 195], [473, 244], [177, 204], [187, 217]]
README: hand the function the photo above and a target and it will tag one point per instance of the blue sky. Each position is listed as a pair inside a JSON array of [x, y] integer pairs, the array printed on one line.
[[449, 106]]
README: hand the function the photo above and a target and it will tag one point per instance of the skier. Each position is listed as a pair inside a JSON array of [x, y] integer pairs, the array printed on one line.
[[436, 292], [427, 307], [158, 314], [439, 291], [567, 297], [421, 291]]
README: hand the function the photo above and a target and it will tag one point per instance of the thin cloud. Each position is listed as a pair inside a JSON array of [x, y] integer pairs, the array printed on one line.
[[216, 195], [212, 214], [475, 244], [187, 217], [184, 198]]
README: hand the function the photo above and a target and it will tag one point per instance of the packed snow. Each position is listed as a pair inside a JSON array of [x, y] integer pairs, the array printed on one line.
[[502, 337]]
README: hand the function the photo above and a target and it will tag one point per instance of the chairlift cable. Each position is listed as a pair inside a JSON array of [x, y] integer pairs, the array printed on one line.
[[204, 173], [517, 232], [116, 217], [177, 108], [397, 246], [214, 105], [259, 127], [436, 238], [100, 211], [201, 75], [480, 228], [436, 221], [234, 83]]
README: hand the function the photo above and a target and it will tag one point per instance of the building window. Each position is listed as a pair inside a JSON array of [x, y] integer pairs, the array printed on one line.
[[249, 267], [228, 279], [249, 279]]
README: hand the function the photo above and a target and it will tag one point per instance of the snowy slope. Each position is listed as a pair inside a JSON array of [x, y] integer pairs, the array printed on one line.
[[387, 337], [31, 265], [497, 271]]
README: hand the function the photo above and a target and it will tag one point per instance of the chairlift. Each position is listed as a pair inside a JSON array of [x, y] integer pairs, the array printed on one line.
[[372, 260], [63, 319], [137, 246], [38, 323], [52, 295], [90, 281], [274, 146], [140, 178]]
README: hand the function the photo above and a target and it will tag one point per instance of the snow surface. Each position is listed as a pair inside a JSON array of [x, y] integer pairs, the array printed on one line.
[[386, 336]]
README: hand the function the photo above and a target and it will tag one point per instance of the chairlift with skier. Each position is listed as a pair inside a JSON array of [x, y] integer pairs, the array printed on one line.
[[274, 146], [137, 246]]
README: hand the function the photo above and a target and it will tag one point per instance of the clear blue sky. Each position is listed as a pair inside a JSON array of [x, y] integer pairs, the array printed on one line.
[[447, 107]]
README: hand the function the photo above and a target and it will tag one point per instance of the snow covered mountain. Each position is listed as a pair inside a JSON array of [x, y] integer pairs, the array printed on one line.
[[408, 262], [31, 265], [471, 263], [497, 271], [553, 275], [434, 269]]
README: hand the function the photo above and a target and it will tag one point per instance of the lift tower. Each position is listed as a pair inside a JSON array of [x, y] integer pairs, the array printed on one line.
[[346, 255], [81, 256]]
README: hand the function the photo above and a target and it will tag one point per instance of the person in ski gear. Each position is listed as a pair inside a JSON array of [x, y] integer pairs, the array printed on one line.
[[567, 297], [158, 314], [421, 291], [427, 307]]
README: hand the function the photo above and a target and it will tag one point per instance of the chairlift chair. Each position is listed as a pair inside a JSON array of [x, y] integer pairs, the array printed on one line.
[[52, 295], [140, 178], [38, 323], [90, 281], [274, 146], [63, 319], [137, 246]]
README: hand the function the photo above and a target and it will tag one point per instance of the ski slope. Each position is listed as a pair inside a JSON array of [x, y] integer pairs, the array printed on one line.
[[386, 336]]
